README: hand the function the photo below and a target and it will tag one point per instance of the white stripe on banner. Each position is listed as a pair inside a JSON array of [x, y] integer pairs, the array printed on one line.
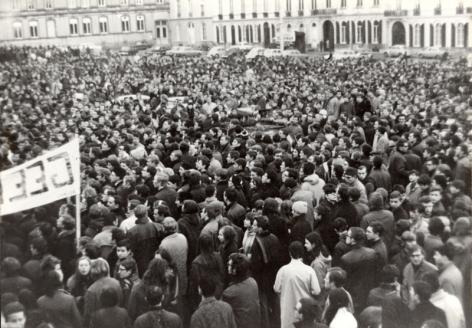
[[45, 179]]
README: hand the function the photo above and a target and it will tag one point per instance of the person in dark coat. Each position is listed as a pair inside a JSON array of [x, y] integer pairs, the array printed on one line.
[[309, 311], [325, 212], [235, 212], [300, 226], [111, 315], [424, 310], [100, 272], [189, 226], [57, 304], [211, 313], [265, 262], [242, 293], [165, 193], [143, 238], [156, 314], [379, 177], [345, 209], [360, 263], [380, 214], [397, 166], [13, 282], [65, 248], [277, 225]]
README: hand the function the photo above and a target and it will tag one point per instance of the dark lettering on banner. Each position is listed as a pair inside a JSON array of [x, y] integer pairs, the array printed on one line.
[[38, 182], [20, 185], [54, 177]]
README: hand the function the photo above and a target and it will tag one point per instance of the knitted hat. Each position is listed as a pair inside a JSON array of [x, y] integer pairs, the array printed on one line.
[[300, 207]]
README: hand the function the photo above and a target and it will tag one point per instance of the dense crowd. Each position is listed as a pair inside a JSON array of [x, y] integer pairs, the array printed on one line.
[[352, 210]]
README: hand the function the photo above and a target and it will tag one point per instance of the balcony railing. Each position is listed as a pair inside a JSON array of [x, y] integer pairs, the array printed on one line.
[[265, 15], [300, 13], [254, 15], [416, 11], [329, 11], [437, 11], [395, 13], [288, 14], [277, 14]]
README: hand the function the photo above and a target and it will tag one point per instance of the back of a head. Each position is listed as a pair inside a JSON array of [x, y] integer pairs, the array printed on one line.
[[154, 295], [207, 285], [338, 298], [140, 211], [432, 278], [296, 250], [423, 290], [99, 268], [390, 273], [109, 297], [205, 243], [337, 276], [357, 234], [376, 202]]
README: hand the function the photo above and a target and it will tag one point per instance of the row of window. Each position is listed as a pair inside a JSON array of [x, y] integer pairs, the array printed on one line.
[[49, 4], [436, 32], [288, 5], [74, 26]]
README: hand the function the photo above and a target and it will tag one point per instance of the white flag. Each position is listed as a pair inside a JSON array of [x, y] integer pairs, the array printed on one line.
[[45, 179]]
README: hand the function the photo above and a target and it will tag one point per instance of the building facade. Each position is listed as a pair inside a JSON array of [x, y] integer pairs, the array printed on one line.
[[83, 22], [324, 24]]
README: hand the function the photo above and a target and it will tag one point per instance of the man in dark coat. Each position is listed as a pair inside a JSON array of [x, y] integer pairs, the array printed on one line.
[[235, 212], [424, 309], [143, 239], [360, 263], [242, 293], [397, 166], [165, 193], [300, 226], [189, 226], [324, 212]]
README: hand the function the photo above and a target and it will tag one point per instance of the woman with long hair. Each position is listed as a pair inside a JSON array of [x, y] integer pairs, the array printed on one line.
[[58, 305], [337, 315], [208, 262], [158, 273], [249, 234], [228, 245], [317, 255], [80, 281]]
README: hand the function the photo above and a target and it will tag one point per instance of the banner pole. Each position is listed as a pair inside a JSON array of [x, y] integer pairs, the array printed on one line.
[[78, 222]]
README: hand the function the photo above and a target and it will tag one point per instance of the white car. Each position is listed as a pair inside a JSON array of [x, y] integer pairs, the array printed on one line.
[[431, 52], [396, 51], [347, 53], [254, 52], [184, 51], [273, 53], [219, 51], [292, 52]]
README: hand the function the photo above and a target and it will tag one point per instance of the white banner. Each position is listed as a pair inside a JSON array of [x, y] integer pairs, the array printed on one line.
[[45, 179]]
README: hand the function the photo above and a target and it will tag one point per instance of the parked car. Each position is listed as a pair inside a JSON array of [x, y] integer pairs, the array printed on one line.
[[431, 52], [184, 51], [273, 53], [158, 49], [292, 52], [346, 53], [396, 51], [219, 51], [254, 52]]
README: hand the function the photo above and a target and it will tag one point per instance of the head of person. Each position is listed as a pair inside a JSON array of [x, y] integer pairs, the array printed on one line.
[[123, 249], [422, 291], [127, 268], [11, 267], [444, 255], [299, 208], [15, 314], [307, 310], [170, 225], [227, 235], [374, 231], [335, 278], [389, 274], [238, 266], [52, 282], [207, 286], [338, 299], [416, 255], [154, 295], [313, 243], [355, 236], [109, 297], [296, 250], [395, 199], [99, 269]]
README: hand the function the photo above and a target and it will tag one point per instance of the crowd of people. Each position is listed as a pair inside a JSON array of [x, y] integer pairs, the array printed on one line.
[[356, 212]]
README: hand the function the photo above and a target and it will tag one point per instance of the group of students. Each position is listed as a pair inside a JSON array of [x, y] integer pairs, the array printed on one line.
[[357, 213]]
